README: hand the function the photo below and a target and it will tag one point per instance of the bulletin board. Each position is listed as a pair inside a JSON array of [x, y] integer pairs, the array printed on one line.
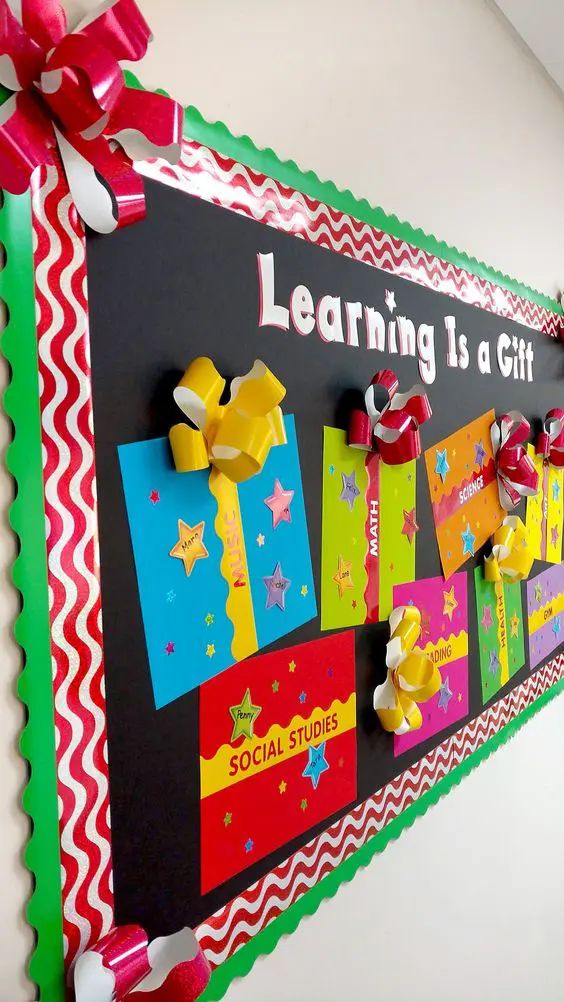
[[124, 720]]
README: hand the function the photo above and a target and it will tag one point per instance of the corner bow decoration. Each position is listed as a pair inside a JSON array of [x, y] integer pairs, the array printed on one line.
[[71, 93], [550, 443], [515, 470], [512, 556], [412, 677], [124, 965], [390, 422], [235, 438]]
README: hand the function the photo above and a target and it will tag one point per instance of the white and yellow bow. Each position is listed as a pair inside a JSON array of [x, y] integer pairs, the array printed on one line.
[[412, 677]]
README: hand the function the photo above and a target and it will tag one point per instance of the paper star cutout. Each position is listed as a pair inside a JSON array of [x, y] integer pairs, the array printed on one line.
[[459, 697], [343, 578], [303, 804], [283, 787], [350, 491], [244, 716], [330, 673], [171, 595], [154, 497], [555, 490], [354, 603], [538, 592], [554, 535], [449, 602], [390, 300], [303, 591], [209, 619], [441, 465], [260, 539], [445, 695], [190, 546], [249, 845], [302, 697], [291, 666], [410, 526], [425, 624], [276, 587], [210, 650], [275, 685], [317, 764], [514, 623], [279, 504], [480, 453], [494, 662], [331, 469], [556, 626], [169, 648], [486, 620], [227, 818], [468, 540]]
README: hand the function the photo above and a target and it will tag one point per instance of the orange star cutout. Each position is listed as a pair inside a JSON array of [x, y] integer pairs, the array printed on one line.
[[514, 621], [343, 577], [190, 546], [450, 603]]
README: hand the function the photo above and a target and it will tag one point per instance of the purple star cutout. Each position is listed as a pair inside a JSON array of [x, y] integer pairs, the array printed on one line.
[[350, 491], [494, 662], [445, 695], [276, 587], [480, 453]]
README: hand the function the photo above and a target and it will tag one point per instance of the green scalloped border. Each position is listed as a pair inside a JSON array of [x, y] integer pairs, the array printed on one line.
[[19, 344], [27, 518]]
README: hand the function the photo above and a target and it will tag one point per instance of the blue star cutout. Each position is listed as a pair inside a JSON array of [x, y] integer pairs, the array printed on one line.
[[445, 695], [494, 662], [171, 595], [555, 491], [480, 453], [556, 626], [331, 469], [317, 763], [302, 697], [350, 491], [441, 466], [249, 845], [468, 540]]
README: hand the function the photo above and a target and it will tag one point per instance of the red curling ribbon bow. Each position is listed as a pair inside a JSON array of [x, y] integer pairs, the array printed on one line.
[[124, 965], [390, 423], [550, 443], [70, 93], [515, 470]]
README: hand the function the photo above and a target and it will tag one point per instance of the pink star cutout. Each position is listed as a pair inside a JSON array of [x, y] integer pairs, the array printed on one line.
[[554, 535], [410, 526], [487, 621], [279, 504], [169, 648], [154, 497]]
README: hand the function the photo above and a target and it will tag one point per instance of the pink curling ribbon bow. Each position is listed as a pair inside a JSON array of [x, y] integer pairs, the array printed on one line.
[[550, 443], [70, 93], [390, 423], [516, 474], [124, 965]]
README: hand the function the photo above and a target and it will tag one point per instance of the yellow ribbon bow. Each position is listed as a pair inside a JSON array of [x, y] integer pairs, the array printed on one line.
[[236, 437], [412, 677], [511, 555]]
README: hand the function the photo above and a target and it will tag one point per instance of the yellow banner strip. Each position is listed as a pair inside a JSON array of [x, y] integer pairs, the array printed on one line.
[[546, 612], [239, 605], [231, 765], [446, 650]]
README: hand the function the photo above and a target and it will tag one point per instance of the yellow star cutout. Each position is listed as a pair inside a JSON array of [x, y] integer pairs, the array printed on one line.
[[303, 590], [282, 787], [343, 577], [459, 697], [244, 716], [450, 603], [291, 666], [210, 650], [190, 546], [260, 539], [209, 619], [514, 622]]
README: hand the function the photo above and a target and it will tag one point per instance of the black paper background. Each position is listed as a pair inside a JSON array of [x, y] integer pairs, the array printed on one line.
[[184, 283]]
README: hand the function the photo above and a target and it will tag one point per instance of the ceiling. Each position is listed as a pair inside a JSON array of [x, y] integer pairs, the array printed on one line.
[[541, 25]]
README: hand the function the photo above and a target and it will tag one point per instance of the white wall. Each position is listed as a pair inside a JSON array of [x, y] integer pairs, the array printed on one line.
[[435, 110]]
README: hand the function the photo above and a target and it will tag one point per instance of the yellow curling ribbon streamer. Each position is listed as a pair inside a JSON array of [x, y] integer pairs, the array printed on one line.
[[236, 437], [412, 677], [512, 556]]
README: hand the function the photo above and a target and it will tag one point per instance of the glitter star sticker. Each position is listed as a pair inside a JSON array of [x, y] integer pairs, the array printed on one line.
[[445, 695], [275, 685], [249, 845], [410, 526], [210, 650], [279, 504], [441, 465], [209, 619], [468, 540], [556, 626], [227, 818], [303, 591], [350, 491], [390, 300], [169, 647], [479, 453], [244, 716], [276, 587], [425, 624], [317, 764], [449, 603], [555, 490], [538, 592], [494, 662], [283, 786], [190, 546], [514, 624], [291, 666], [303, 804], [486, 620], [154, 497], [343, 578], [260, 539], [554, 535]]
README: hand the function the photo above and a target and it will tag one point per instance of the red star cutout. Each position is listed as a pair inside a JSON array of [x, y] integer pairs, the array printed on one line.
[[425, 624], [154, 497], [169, 648], [410, 526]]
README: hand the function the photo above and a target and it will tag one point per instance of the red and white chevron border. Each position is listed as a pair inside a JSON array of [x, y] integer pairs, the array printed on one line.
[[73, 554]]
